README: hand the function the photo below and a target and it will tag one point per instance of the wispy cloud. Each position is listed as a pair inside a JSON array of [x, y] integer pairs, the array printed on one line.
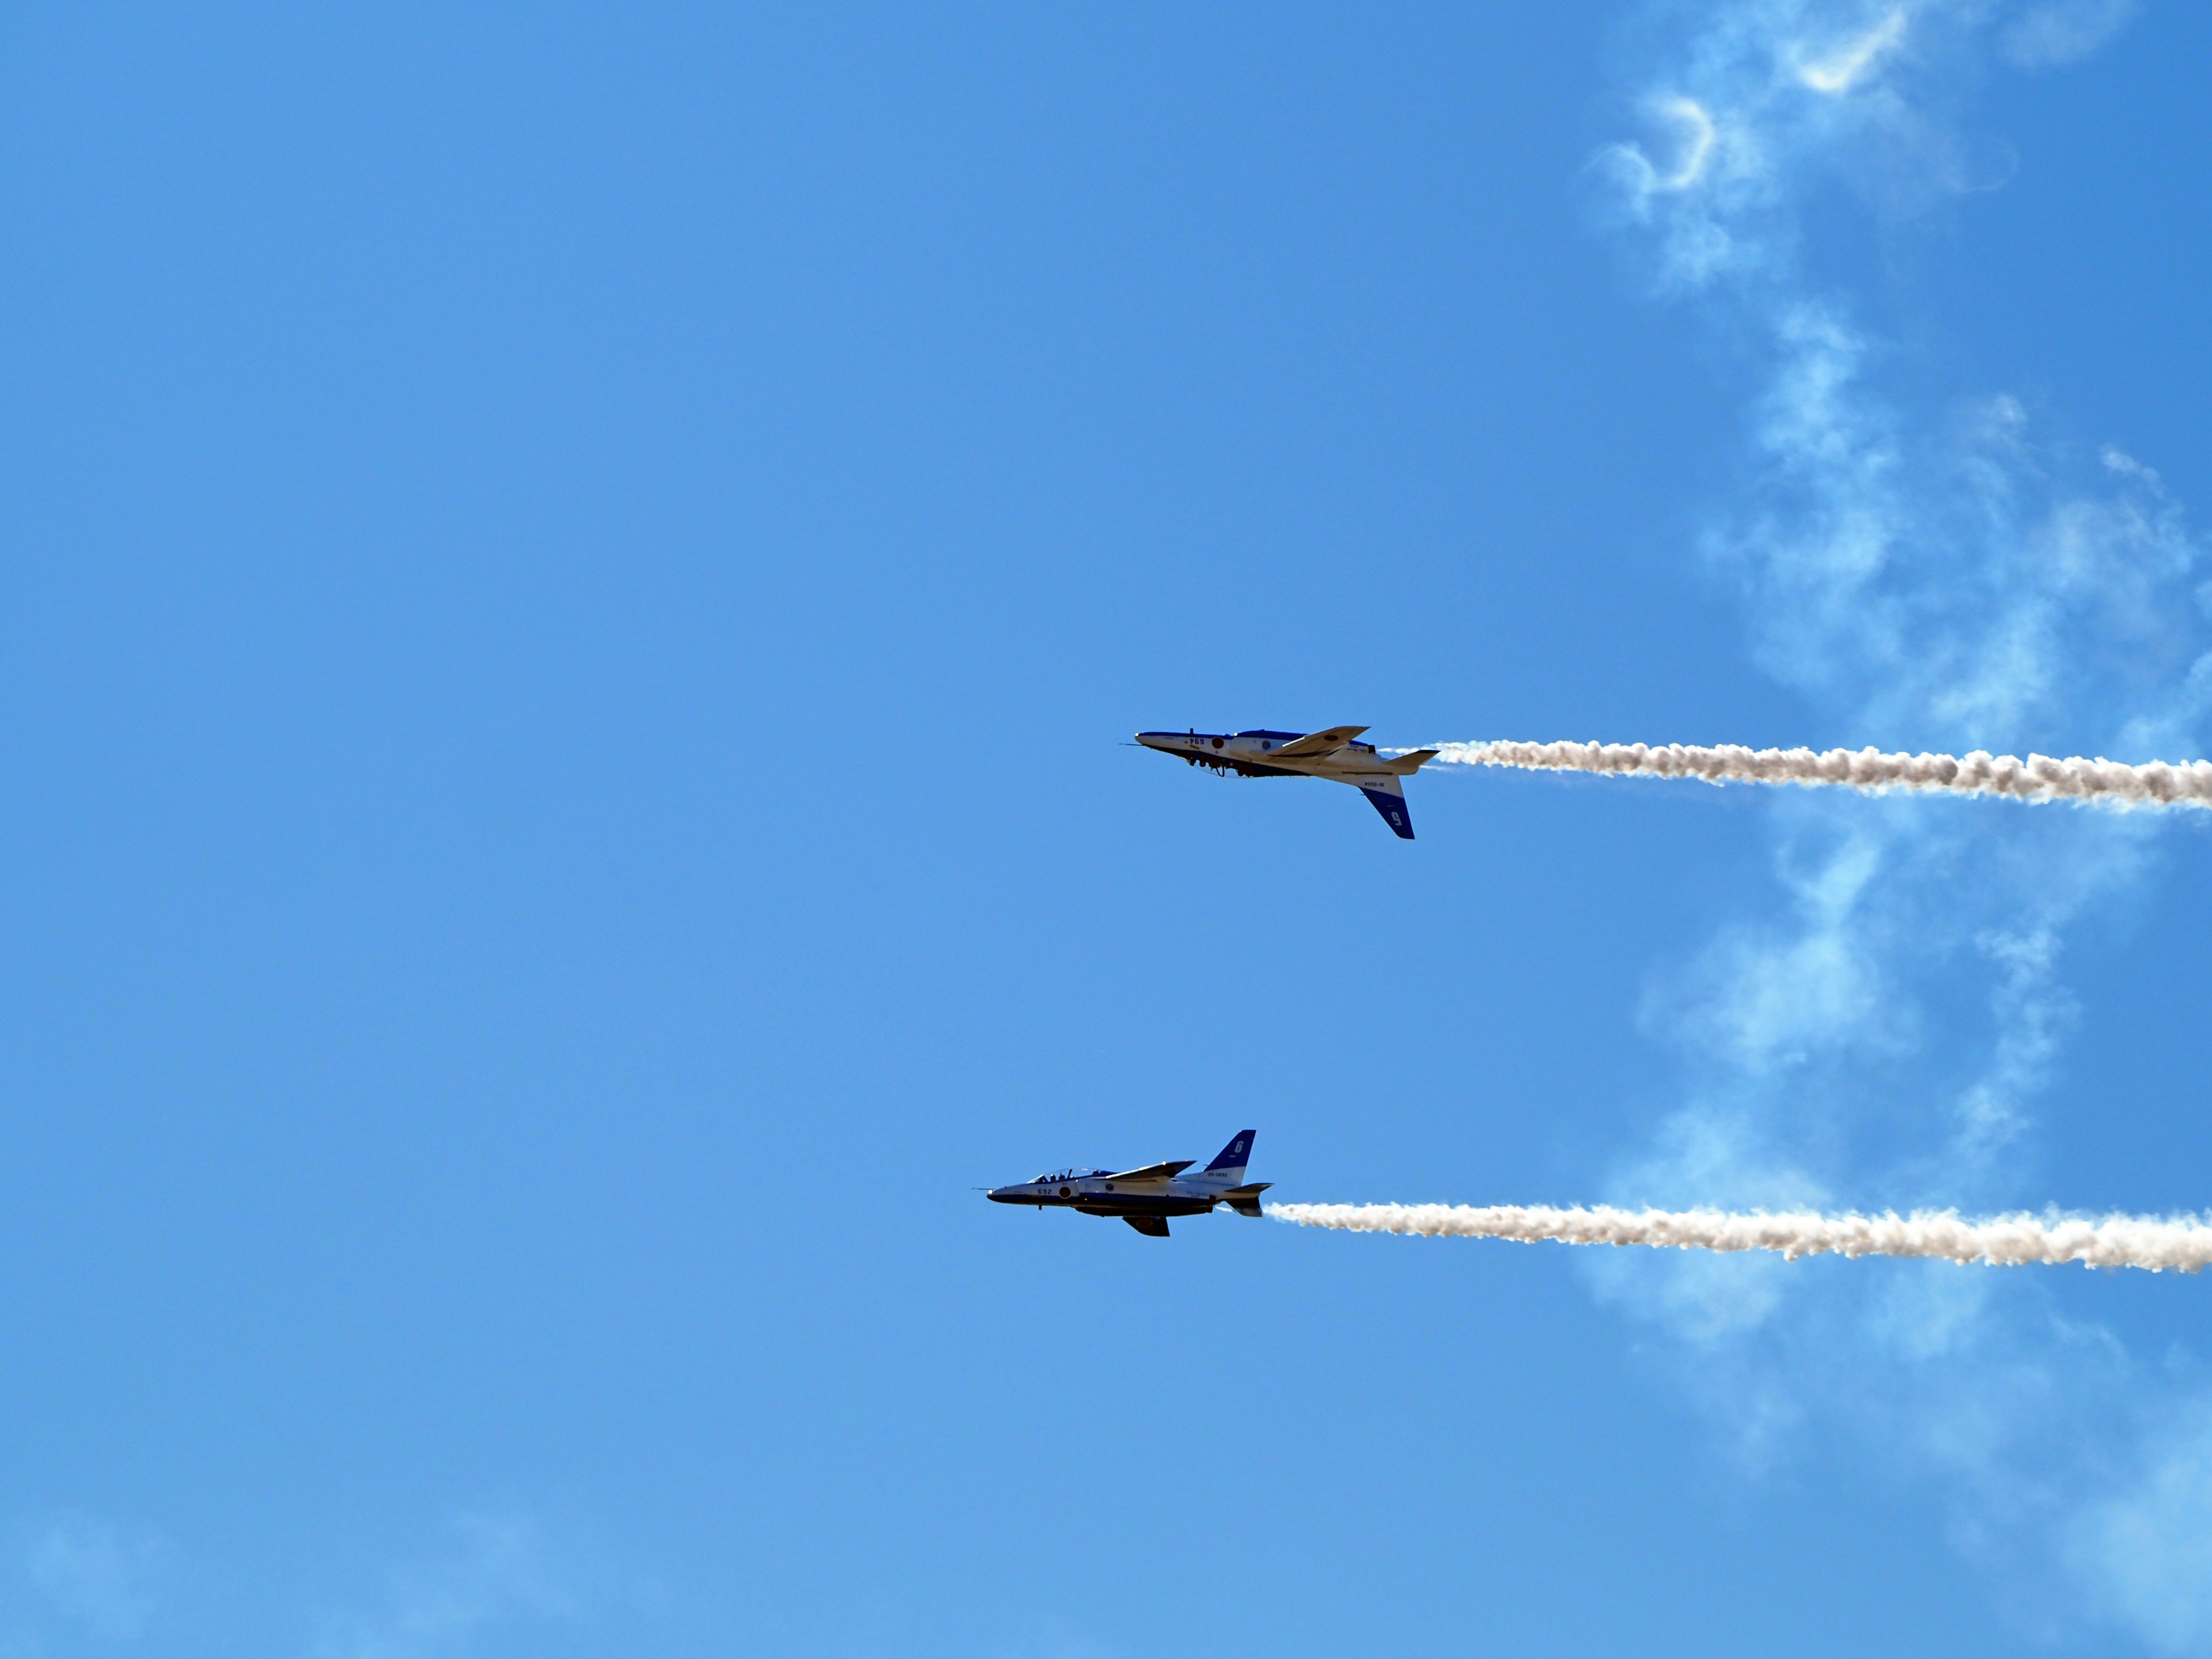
[[1923, 577], [493, 1578], [1763, 97], [98, 1582], [2148, 1545], [1857, 57], [503, 1579], [2060, 31]]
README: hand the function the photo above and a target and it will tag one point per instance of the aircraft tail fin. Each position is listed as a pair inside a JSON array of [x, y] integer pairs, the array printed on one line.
[[1245, 1200], [1227, 1168], [1227, 1165], [1390, 801], [1406, 765]]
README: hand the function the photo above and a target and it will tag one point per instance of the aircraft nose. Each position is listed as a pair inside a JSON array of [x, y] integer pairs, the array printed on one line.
[[1002, 1195]]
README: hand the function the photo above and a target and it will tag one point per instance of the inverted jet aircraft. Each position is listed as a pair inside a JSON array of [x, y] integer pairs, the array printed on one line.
[[1331, 754], [1146, 1198]]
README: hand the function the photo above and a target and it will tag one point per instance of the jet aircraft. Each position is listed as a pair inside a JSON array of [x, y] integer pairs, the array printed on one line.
[[1331, 754], [1146, 1198]]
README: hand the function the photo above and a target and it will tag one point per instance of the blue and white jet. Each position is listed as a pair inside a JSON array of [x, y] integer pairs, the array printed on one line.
[[1146, 1198], [1332, 753]]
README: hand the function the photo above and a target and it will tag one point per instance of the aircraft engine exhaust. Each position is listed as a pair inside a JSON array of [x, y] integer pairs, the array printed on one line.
[[2037, 778], [2183, 1244]]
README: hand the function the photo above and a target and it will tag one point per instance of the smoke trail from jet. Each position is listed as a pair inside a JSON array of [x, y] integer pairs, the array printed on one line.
[[2037, 778], [2183, 1244]]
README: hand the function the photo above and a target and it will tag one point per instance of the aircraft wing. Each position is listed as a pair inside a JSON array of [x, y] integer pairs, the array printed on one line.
[[1315, 744], [1155, 1171]]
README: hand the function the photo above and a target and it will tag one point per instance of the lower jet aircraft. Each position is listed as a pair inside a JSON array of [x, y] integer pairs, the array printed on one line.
[[1331, 754], [1146, 1198]]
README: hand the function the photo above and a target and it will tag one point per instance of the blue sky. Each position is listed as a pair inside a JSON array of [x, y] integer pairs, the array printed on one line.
[[574, 580]]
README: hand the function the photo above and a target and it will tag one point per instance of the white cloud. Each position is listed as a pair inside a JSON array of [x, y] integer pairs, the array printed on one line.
[[1844, 67], [2149, 1545], [1766, 97], [2061, 31], [495, 1573], [92, 1578], [2031, 1010], [1937, 580]]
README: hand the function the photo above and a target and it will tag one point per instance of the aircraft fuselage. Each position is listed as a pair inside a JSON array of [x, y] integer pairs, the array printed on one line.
[[1146, 1198], [1335, 755], [1095, 1192]]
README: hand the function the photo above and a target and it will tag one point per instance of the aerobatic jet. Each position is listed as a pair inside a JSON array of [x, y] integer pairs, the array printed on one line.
[[1146, 1198], [1331, 754]]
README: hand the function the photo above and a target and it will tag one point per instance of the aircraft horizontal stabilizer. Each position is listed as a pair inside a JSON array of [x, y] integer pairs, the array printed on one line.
[[1245, 1200], [1319, 743], [1406, 765], [1153, 1226], [1155, 1171]]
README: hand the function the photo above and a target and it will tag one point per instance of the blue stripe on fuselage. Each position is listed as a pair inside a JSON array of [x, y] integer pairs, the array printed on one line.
[[1123, 1203]]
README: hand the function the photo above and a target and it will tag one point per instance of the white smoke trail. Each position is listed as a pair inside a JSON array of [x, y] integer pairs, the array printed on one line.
[[2183, 1244], [2037, 778]]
